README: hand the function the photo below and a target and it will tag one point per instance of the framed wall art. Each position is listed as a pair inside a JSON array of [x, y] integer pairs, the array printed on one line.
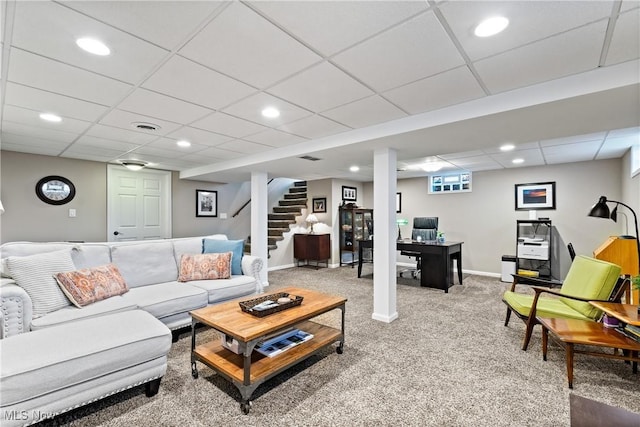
[[206, 203], [398, 202], [319, 205], [535, 196], [349, 193]]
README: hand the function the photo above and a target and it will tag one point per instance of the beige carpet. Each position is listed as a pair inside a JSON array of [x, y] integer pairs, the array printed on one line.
[[446, 361]]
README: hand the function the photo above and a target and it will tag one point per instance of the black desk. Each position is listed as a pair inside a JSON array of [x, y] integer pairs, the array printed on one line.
[[436, 266]]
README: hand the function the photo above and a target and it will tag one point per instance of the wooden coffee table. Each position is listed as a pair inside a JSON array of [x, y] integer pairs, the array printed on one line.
[[250, 369], [569, 332]]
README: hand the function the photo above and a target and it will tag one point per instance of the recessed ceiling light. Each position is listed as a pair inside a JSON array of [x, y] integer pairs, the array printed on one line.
[[93, 46], [491, 26], [517, 161], [354, 168], [183, 143], [271, 112], [507, 147], [50, 117]]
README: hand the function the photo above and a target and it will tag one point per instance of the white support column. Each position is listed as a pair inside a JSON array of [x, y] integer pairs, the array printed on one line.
[[259, 216], [384, 220]]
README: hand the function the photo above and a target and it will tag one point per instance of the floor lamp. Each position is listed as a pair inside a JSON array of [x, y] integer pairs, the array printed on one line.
[[601, 210]]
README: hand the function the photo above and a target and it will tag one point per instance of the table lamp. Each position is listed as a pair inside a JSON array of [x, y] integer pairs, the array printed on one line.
[[401, 221], [311, 219]]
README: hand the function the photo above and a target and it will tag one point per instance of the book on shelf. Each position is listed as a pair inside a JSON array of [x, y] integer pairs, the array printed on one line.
[[283, 342], [630, 331]]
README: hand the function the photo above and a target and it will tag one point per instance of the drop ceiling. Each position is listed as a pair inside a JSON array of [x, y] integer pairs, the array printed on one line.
[[561, 83]]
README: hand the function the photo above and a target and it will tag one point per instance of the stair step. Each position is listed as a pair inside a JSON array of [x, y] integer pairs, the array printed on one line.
[[300, 184], [273, 231], [281, 217], [296, 196], [288, 209], [281, 225], [271, 240], [295, 190], [295, 202]]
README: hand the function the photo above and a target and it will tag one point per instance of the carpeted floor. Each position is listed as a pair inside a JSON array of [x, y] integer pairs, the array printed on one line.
[[446, 361]]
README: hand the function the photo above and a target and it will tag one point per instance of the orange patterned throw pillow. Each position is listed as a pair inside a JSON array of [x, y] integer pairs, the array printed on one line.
[[205, 266], [89, 285]]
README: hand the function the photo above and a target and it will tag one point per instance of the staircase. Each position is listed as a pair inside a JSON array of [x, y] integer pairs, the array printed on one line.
[[284, 215]]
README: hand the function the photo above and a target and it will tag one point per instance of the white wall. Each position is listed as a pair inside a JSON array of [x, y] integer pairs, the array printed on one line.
[[485, 219]]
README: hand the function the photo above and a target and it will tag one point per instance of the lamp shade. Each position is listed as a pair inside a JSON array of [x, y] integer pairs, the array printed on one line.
[[312, 219], [600, 209], [402, 221]]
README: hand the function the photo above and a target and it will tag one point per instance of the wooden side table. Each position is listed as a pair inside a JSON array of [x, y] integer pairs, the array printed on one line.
[[626, 313], [312, 247], [569, 332]]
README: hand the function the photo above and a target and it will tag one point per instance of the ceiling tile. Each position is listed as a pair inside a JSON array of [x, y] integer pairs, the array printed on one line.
[[36, 71], [274, 138], [214, 153], [245, 147], [186, 80], [30, 144], [529, 21], [365, 112], [599, 137], [625, 43], [531, 158], [314, 127], [37, 21], [241, 43], [552, 58], [453, 156], [91, 156], [625, 132], [35, 99], [426, 50], [153, 104], [38, 132], [358, 20], [165, 23], [476, 163], [518, 147], [199, 136], [93, 141], [119, 134], [228, 125], [576, 152], [124, 119], [615, 147], [170, 144], [104, 153], [444, 89], [31, 118], [251, 109], [320, 88]]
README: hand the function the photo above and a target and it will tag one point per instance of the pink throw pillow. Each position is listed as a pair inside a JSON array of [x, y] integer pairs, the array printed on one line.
[[89, 285], [205, 266]]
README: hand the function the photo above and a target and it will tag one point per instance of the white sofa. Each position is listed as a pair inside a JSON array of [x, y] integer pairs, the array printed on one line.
[[144, 316]]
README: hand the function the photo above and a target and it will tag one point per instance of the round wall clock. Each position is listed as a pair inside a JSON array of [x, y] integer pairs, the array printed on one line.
[[55, 190]]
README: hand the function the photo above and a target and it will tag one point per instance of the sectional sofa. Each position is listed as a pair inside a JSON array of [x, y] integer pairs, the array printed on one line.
[[81, 321]]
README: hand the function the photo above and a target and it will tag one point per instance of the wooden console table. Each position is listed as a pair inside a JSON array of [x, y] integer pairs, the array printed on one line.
[[569, 332], [312, 247]]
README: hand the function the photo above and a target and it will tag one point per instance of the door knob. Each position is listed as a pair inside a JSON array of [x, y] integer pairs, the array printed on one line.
[[115, 233]]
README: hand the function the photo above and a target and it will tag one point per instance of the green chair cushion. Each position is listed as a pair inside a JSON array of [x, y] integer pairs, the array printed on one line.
[[547, 307], [592, 279]]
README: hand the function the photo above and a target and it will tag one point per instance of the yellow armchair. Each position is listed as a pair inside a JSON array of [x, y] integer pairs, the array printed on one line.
[[588, 279]]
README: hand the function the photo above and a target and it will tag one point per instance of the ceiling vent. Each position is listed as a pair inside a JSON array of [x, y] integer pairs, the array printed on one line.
[[145, 126], [311, 158]]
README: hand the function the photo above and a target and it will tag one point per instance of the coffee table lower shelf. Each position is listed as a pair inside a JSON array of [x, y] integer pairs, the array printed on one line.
[[232, 366]]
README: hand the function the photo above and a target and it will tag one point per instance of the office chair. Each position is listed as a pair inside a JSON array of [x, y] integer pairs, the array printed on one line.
[[427, 229]]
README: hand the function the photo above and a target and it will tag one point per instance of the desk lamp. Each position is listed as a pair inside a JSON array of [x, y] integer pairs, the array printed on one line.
[[401, 221], [312, 219]]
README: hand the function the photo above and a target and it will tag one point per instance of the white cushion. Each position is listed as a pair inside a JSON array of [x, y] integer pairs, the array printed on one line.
[[34, 273], [167, 299], [145, 263], [72, 313], [225, 289]]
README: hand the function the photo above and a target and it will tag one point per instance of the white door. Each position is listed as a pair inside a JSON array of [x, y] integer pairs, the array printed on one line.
[[139, 204]]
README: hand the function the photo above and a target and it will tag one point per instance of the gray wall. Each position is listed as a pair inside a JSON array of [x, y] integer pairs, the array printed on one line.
[[485, 219], [28, 218]]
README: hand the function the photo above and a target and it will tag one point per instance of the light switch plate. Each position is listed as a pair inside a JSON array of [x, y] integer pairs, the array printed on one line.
[[72, 213]]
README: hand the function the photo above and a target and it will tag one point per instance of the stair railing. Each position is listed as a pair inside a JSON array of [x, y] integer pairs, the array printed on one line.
[[246, 203]]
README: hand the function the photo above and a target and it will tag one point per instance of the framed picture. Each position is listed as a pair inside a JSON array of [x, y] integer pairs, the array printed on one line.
[[206, 203], [319, 205], [535, 196], [398, 202], [349, 193]]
